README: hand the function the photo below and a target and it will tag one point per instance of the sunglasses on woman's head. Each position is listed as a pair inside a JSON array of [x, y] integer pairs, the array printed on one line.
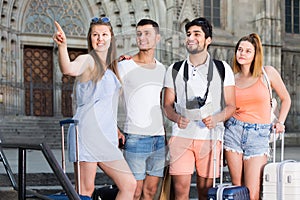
[[100, 19]]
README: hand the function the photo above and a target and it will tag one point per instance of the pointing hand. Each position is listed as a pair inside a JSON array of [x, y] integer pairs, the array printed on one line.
[[59, 37]]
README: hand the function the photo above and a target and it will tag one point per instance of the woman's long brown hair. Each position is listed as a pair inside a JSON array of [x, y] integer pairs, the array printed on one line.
[[257, 63], [99, 70], [111, 59]]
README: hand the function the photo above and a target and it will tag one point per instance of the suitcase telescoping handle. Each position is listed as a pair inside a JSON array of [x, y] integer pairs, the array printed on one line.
[[68, 121], [62, 123], [281, 136], [215, 157], [63, 162]]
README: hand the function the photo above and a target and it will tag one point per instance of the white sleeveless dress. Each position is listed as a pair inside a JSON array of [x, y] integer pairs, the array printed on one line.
[[97, 114]]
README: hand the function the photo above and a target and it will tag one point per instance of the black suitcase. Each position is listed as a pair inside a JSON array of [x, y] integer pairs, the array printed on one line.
[[225, 191], [108, 192]]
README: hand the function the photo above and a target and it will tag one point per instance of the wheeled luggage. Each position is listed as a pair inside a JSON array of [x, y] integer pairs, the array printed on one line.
[[63, 196], [228, 192], [107, 192], [225, 191], [281, 180]]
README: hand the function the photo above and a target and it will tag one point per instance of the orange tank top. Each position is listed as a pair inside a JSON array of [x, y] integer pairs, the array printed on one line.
[[253, 103]]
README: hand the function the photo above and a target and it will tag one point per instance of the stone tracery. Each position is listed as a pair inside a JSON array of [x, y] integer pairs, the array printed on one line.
[[40, 15]]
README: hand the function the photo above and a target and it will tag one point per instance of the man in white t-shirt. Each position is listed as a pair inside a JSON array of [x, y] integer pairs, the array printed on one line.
[[142, 82], [192, 101]]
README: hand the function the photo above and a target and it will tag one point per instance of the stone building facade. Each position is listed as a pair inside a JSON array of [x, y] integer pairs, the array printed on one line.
[[32, 85]]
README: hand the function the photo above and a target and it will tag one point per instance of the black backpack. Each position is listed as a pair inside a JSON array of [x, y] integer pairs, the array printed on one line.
[[220, 68]]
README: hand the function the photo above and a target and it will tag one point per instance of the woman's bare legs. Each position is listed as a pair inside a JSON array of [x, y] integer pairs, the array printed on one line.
[[120, 173], [87, 177], [253, 170], [235, 166]]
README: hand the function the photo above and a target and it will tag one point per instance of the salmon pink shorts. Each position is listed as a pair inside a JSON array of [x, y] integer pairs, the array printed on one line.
[[187, 154]]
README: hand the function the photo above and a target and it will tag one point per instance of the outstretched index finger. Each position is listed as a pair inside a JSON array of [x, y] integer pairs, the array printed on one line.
[[58, 26]]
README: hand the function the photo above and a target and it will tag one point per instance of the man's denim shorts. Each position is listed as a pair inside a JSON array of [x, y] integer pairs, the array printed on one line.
[[145, 155], [246, 138]]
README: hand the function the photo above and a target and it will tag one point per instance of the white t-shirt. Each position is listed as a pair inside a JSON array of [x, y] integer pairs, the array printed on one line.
[[141, 98], [196, 86]]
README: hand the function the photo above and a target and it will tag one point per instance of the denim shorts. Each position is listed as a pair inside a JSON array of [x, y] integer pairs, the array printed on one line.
[[246, 138], [145, 155]]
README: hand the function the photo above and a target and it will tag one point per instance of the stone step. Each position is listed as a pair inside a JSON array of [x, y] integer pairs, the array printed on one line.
[[27, 128]]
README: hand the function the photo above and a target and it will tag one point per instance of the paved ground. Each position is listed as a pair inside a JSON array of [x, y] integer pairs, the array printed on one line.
[[36, 163]]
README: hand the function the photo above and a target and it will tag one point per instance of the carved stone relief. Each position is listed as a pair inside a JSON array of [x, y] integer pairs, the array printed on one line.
[[40, 15]]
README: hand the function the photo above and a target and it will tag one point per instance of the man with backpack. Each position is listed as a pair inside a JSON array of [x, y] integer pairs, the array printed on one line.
[[199, 96]]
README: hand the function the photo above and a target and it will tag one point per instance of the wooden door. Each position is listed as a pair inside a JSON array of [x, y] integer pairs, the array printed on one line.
[[67, 86], [38, 81]]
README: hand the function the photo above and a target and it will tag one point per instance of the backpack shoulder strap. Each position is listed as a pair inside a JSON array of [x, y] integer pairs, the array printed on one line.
[[175, 70], [221, 68]]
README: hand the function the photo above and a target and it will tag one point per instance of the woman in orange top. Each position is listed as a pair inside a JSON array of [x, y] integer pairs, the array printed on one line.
[[246, 139]]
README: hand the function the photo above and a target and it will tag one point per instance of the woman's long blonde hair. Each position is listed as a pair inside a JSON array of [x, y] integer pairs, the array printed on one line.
[[111, 58], [257, 63], [99, 70]]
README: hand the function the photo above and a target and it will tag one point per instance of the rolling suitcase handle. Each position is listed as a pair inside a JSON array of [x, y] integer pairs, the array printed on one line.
[[281, 136], [226, 191], [77, 173], [219, 191], [279, 188], [215, 158], [219, 194]]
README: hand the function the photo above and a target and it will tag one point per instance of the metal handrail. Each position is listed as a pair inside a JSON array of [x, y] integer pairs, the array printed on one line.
[[55, 166], [8, 169]]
